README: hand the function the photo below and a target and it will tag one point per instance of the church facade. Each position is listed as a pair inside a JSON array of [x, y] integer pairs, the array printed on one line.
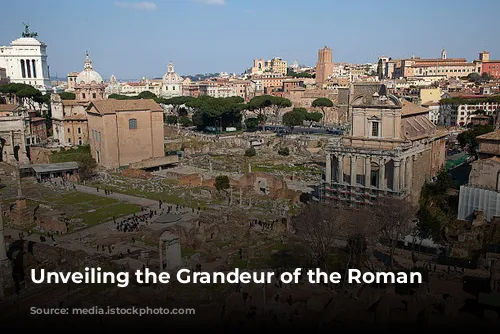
[[69, 117], [392, 150]]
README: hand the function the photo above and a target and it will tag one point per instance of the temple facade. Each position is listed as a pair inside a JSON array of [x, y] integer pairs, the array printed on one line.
[[392, 149]]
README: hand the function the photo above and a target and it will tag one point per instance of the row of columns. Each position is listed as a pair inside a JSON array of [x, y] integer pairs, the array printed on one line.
[[27, 65], [402, 172]]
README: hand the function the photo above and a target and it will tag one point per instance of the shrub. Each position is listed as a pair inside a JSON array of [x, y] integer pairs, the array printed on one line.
[[250, 152], [284, 151]]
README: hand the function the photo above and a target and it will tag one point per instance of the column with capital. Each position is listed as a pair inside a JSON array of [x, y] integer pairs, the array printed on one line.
[[340, 168], [353, 170], [409, 172], [381, 174], [328, 172], [368, 171], [395, 179], [403, 175]]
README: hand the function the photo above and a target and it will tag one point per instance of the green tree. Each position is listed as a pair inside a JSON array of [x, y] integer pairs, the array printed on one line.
[[313, 117], [147, 95], [67, 96], [222, 182], [251, 124], [468, 138], [279, 103], [171, 119], [216, 112], [87, 166], [260, 103], [185, 121], [322, 103], [295, 117]]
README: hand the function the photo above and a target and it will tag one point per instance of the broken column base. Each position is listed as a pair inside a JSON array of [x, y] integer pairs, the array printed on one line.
[[21, 215], [7, 286]]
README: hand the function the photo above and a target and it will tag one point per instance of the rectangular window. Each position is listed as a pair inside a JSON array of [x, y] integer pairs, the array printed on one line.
[[375, 128], [132, 123], [79, 130], [93, 95]]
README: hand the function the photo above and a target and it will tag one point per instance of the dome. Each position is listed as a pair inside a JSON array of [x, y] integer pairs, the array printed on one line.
[[171, 77], [88, 75]]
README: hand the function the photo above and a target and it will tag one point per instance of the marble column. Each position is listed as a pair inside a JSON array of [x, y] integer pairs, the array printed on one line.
[[340, 169], [353, 170], [395, 179], [403, 175], [409, 172], [328, 172], [368, 171], [381, 174]]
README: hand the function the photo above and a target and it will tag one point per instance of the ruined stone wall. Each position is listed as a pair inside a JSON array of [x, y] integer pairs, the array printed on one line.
[[191, 180], [40, 155], [438, 155], [489, 147], [422, 167], [485, 174]]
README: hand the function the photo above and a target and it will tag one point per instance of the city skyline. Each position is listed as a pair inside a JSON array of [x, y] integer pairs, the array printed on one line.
[[126, 38]]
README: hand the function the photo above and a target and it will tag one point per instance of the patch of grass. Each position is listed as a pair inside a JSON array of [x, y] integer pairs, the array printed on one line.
[[72, 154], [106, 213], [240, 264], [85, 200], [187, 251]]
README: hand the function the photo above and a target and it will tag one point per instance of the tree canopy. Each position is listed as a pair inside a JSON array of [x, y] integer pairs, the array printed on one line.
[[468, 138], [219, 112], [298, 116], [263, 102]]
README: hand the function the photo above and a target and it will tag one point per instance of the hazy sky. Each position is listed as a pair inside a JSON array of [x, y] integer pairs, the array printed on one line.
[[135, 39]]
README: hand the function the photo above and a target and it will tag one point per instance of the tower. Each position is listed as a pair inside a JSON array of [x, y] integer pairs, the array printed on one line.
[[484, 56], [443, 54], [324, 67]]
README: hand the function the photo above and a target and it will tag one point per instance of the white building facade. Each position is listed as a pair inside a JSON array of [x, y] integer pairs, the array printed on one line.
[[25, 61], [172, 83]]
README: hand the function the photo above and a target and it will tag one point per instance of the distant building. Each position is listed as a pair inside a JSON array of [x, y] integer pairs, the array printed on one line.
[[276, 65], [324, 66], [461, 109], [172, 83], [123, 132], [485, 65], [69, 117], [25, 61], [433, 67]]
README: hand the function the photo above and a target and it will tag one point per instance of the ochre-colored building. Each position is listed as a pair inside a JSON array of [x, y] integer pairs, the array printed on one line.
[[391, 150], [324, 66], [123, 132]]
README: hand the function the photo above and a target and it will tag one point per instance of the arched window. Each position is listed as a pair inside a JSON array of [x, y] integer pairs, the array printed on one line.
[[132, 123]]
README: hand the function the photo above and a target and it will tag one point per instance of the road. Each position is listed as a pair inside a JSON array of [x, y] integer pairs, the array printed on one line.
[[121, 197]]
